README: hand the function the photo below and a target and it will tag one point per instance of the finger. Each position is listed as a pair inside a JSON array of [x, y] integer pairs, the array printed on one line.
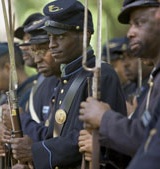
[[83, 104]]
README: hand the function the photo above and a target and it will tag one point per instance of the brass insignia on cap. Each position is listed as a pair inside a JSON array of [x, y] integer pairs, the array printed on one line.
[[36, 22], [113, 45], [53, 8], [60, 116]]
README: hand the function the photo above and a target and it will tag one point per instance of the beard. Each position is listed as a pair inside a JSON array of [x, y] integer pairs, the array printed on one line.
[[138, 51]]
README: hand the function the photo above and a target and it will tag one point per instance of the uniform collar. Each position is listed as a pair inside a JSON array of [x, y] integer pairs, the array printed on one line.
[[76, 65]]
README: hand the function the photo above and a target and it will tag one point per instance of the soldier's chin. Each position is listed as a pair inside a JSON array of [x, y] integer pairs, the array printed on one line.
[[137, 51]]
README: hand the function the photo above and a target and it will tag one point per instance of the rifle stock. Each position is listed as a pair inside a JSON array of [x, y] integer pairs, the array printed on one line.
[[14, 112], [15, 120], [13, 82]]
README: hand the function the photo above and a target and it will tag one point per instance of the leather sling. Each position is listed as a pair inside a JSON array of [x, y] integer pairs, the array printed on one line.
[[68, 99]]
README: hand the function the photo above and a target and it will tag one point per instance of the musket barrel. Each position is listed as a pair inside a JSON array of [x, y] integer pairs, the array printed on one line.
[[13, 81], [96, 76]]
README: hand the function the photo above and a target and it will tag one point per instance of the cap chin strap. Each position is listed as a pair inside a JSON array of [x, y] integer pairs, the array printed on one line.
[[61, 26]]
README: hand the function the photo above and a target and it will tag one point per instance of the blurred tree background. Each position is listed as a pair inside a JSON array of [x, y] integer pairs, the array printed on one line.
[[110, 26]]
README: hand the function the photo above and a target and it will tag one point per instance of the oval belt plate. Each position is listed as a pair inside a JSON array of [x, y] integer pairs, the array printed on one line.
[[60, 116]]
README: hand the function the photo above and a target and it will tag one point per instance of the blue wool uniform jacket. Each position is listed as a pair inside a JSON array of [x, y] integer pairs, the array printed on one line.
[[24, 90], [63, 151], [41, 103], [148, 155], [126, 135]]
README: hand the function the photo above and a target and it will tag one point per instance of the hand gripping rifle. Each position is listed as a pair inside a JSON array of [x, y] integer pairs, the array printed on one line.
[[96, 75], [13, 82]]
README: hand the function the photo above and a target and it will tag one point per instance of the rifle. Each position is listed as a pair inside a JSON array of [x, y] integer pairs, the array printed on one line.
[[13, 82], [96, 76]]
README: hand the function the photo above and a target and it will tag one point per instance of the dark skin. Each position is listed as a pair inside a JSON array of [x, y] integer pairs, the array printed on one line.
[[141, 38], [27, 54], [85, 144], [142, 33], [44, 60], [91, 112], [66, 47], [21, 147], [20, 166]]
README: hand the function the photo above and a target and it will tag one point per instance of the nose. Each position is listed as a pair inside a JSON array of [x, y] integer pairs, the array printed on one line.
[[131, 32], [126, 62], [37, 58], [53, 42]]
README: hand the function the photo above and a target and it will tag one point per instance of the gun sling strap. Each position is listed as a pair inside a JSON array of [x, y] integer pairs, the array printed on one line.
[[31, 99], [61, 113]]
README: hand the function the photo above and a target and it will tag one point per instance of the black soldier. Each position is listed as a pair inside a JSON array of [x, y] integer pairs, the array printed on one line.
[[65, 28], [117, 48], [116, 131]]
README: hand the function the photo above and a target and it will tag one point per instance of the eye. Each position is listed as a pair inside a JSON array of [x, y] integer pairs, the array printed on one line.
[[140, 22], [61, 36]]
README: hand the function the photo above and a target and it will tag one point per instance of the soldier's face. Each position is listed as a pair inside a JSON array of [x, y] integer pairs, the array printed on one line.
[[27, 55], [44, 60], [143, 33], [66, 47], [131, 67]]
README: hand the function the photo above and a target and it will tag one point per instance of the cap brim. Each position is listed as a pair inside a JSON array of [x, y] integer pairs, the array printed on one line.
[[124, 16], [36, 42], [24, 44], [39, 39], [19, 33], [52, 30]]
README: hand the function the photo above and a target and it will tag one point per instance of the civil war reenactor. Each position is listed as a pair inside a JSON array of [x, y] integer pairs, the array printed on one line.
[[38, 104], [148, 155], [27, 55], [116, 131], [133, 73], [65, 27], [23, 84], [117, 48], [39, 101], [34, 122], [24, 37]]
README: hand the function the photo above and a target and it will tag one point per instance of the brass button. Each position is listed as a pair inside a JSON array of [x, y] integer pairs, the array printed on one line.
[[60, 102], [62, 91], [35, 81], [64, 81]]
